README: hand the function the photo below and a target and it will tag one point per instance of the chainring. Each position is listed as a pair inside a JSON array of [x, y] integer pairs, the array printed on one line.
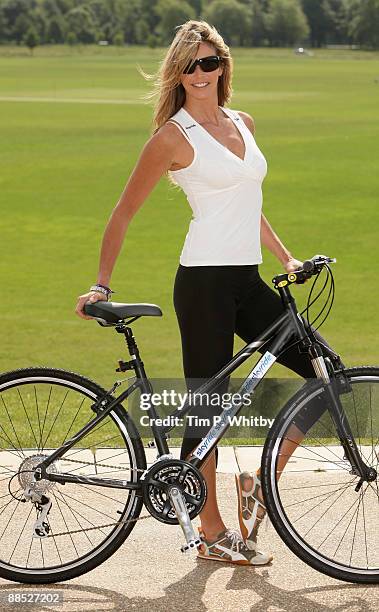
[[165, 473]]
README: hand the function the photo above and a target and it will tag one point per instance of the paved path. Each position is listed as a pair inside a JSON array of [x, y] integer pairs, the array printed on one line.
[[149, 573]]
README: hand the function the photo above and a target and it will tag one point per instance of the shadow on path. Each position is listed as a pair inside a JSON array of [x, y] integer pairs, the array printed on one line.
[[188, 592]]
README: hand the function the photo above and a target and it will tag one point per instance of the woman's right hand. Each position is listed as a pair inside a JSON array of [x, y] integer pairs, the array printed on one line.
[[91, 297]]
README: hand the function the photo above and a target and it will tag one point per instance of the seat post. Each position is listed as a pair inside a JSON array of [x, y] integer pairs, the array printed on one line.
[[131, 341], [136, 363]]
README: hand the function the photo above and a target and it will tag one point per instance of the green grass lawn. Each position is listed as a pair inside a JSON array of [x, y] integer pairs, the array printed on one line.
[[64, 165]]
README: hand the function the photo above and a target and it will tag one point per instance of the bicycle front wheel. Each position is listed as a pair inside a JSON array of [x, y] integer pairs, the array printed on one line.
[[40, 409], [309, 487]]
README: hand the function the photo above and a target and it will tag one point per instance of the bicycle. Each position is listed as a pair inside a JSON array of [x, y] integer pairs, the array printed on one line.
[[74, 477]]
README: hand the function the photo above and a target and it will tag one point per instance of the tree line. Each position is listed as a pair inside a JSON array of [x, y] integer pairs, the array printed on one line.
[[246, 23]]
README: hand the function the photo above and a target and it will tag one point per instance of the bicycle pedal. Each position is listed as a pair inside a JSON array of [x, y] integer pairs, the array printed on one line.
[[151, 444], [191, 545]]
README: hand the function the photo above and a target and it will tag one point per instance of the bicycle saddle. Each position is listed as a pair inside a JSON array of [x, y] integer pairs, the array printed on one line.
[[112, 312]]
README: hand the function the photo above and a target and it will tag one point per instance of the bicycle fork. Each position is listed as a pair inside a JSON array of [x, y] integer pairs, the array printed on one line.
[[340, 420]]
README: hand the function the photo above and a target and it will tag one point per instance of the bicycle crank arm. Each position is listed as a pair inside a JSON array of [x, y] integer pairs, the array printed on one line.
[[177, 501]]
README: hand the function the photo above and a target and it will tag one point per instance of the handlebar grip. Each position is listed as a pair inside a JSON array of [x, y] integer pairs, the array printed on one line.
[[308, 265]]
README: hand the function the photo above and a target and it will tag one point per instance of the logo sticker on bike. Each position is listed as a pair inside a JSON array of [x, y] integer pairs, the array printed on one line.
[[204, 445], [259, 371], [263, 365]]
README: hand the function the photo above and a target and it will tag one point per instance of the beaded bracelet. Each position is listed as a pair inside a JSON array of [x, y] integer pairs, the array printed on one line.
[[102, 289]]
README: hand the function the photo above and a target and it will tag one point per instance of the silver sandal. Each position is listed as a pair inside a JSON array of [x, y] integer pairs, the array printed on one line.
[[249, 505], [229, 547]]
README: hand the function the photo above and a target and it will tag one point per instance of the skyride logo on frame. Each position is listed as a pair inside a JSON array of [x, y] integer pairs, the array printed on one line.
[[259, 371]]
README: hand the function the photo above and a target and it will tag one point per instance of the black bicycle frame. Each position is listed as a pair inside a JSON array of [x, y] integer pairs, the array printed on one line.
[[288, 325]]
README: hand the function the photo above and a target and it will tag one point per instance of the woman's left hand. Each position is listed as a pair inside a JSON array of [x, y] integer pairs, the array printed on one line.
[[292, 264]]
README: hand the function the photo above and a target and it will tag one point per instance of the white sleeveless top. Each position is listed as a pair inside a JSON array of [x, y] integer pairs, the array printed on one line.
[[225, 195]]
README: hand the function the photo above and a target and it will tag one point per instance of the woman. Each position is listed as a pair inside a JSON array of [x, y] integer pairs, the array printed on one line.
[[209, 151]]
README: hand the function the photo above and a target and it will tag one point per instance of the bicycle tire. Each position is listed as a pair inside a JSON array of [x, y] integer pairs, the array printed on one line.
[[135, 450], [274, 502]]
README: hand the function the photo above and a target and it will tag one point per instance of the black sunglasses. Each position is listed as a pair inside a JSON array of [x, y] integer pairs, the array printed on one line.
[[207, 64]]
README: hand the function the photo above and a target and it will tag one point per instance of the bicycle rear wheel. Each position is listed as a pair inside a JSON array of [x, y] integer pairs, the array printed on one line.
[[313, 504], [40, 408]]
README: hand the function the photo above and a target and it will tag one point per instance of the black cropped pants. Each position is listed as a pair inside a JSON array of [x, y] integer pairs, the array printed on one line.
[[212, 303]]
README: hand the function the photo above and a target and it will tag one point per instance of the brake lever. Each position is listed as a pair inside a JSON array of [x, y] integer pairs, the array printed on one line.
[[301, 279], [323, 259]]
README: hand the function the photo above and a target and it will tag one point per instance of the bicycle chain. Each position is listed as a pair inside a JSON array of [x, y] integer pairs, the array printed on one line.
[[126, 522], [139, 518], [115, 467]]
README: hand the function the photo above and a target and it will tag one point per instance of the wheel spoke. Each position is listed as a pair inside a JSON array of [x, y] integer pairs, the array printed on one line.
[[356, 501], [55, 543], [318, 455], [55, 420], [355, 526], [45, 415], [14, 431], [364, 526], [64, 495], [13, 452], [30, 548], [79, 513], [38, 418], [328, 494], [27, 416], [67, 529], [20, 534], [9, 520], [73, 420], [77, 521], [95, 490]]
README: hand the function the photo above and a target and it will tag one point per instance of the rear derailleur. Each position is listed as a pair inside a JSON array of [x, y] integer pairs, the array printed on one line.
[[42, 503]]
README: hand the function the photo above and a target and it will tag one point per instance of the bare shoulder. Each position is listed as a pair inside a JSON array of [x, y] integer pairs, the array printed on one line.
[[249, 121], [169, 135], [162, 146]]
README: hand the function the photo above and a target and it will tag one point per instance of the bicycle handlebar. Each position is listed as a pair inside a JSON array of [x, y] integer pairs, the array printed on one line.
[[310, 267]]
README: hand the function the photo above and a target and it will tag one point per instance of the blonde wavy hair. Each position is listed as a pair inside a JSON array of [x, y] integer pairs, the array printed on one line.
[[168, 93]]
